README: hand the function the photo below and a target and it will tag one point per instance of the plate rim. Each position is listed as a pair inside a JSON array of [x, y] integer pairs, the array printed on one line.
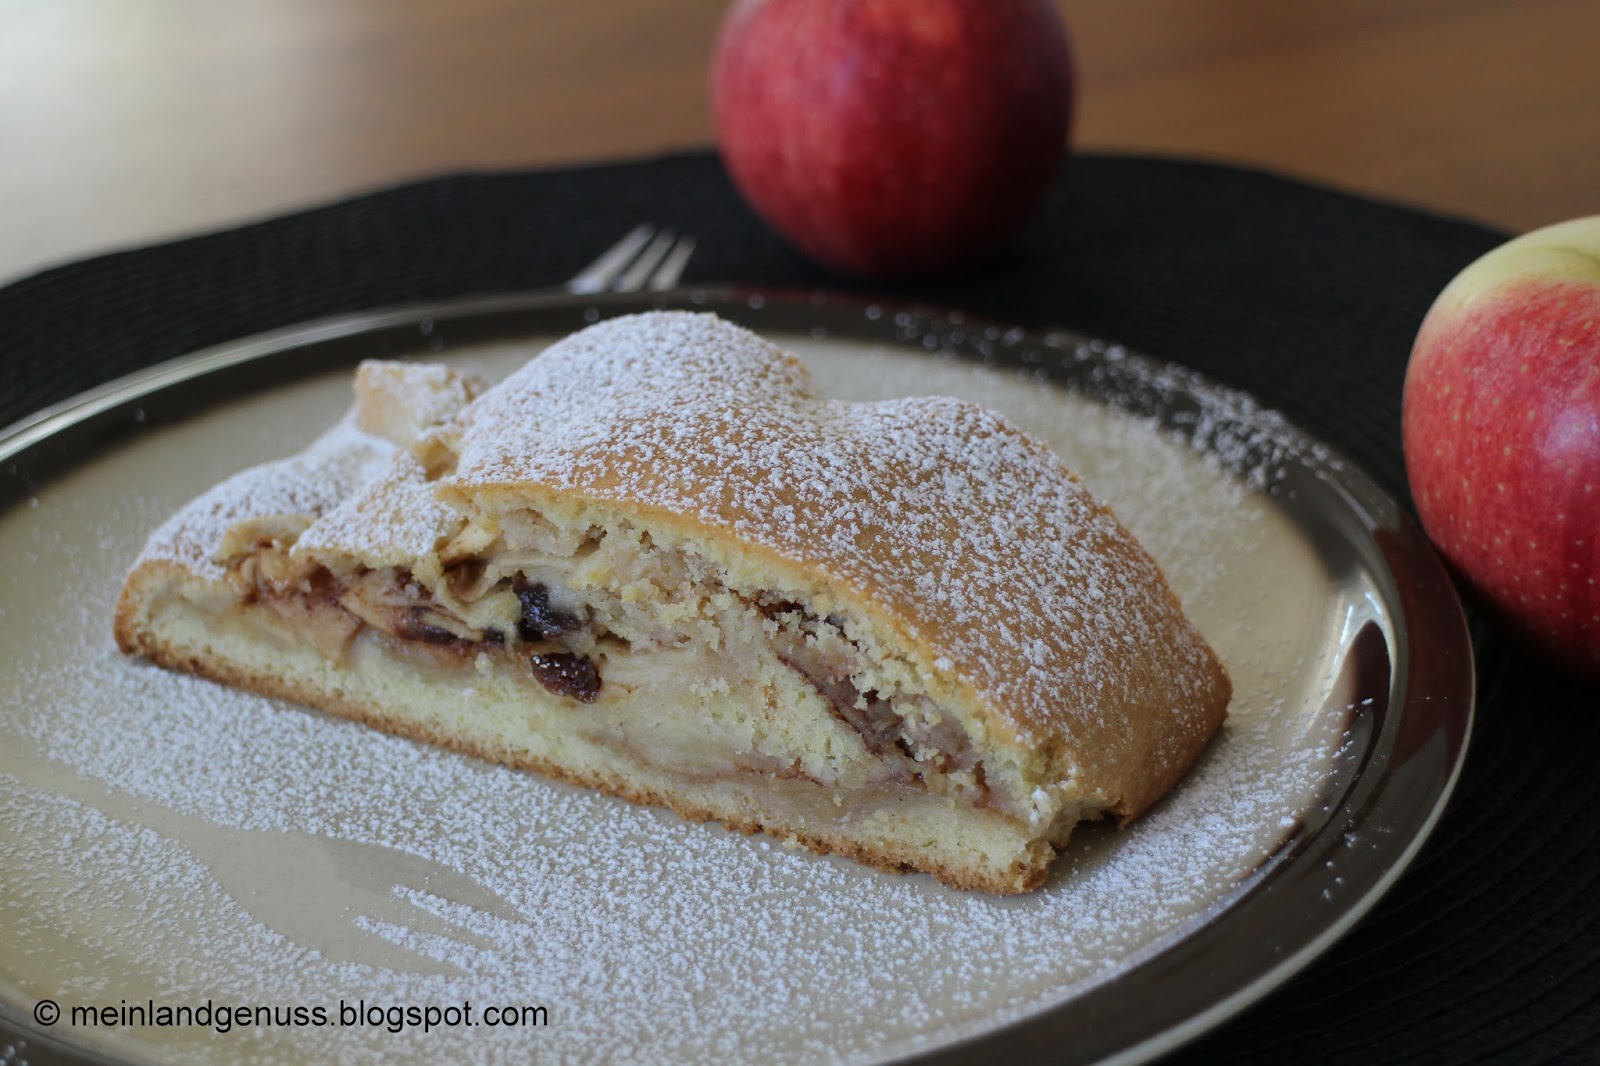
[[116, 405]]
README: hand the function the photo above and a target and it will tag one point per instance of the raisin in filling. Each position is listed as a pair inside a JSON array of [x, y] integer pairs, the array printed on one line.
[[566, 674], [538, 620], [562, 673]]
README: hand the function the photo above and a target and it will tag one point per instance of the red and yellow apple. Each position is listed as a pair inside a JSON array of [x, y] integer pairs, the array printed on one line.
[[893, 138], [1501, 425]]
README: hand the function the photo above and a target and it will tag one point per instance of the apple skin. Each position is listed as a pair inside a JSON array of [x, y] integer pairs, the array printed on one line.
[[893, 138], [1501, 423]]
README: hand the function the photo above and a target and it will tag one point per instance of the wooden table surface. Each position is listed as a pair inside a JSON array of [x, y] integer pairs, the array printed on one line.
[[123, 122]]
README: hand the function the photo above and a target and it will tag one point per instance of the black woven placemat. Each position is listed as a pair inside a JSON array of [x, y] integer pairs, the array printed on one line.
[[1488, 949]]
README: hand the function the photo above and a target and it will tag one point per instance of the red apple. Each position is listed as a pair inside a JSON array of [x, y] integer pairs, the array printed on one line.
[[893, 137], [1502, 434]]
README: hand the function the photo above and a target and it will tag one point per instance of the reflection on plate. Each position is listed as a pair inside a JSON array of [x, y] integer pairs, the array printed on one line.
[[169, 844]]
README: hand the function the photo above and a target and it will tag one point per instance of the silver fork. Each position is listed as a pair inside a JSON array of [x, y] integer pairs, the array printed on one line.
[[644, 260]]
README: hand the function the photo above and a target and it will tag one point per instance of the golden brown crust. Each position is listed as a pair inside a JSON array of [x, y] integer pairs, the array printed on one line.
[[140, 586]]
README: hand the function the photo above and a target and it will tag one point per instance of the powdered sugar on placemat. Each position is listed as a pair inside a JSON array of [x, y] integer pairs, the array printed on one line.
[[171, 840]]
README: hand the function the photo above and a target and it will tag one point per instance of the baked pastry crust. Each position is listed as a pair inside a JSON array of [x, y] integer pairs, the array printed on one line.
[[654, 562]]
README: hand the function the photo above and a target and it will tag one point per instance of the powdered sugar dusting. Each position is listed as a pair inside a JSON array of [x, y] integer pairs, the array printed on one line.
[[308, 483], [936, 508], [389, 520], [134, 802]]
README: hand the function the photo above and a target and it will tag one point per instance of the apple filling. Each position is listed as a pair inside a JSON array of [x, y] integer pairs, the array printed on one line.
[[605, 620]]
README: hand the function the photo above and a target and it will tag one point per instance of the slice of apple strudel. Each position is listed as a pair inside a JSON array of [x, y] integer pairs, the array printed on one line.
[[655, 562]]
